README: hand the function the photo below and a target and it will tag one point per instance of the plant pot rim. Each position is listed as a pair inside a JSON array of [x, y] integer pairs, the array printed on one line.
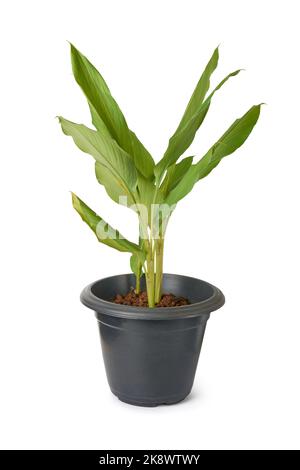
[[212, 303]]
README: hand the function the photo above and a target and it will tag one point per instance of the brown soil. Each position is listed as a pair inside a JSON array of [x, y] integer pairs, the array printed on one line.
[[141, 300]]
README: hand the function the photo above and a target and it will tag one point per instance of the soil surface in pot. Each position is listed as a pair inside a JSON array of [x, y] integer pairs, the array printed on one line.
[[141, 300]]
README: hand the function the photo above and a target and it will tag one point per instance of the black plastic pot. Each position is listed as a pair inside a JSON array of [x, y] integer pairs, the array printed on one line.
[[151, 355]]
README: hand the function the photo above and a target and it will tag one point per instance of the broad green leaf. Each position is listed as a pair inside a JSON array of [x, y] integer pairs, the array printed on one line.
[[142, 158], [106, 114], [98, 123], [146, 193], [182, 139], [100, 228], [99, 96], [105, 151], [200, 91], [184, 186], [230, 141], [174, 174], [112, 185]]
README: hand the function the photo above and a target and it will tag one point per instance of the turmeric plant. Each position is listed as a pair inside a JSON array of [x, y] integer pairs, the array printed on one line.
[[129, 174]]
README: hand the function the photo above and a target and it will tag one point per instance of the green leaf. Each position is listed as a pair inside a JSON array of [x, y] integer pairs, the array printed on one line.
[[136, 264], [142, 158], [193, 106], [200, 91], [105, 151], [182, 139], [146, 194], [230, 141], [98, 123], [106, 114], [112, 185], [174, 174], [99, 96], [184, 186], [146, 191], [100, 227]]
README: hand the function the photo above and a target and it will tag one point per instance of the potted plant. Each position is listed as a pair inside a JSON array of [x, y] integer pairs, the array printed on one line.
[[151, 324]]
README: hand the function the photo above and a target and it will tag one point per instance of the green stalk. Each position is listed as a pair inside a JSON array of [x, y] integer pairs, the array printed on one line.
[[138, 282], [159, 254], [150, 277], [151, 260], [149, 263]]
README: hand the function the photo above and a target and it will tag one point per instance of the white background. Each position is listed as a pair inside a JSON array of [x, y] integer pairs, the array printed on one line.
[[243, 221]]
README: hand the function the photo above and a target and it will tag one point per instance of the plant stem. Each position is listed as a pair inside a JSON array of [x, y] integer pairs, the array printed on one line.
[[154, 248], [150, 276], [138, 283], [159, 253]]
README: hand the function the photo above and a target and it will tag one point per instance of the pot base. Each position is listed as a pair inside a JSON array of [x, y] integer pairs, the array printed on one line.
[[150, 403]]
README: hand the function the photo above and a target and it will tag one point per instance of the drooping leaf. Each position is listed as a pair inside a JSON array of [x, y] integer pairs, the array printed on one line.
[[174, 174], [105, 151], [181, 140], [106, 113], [103, 231], [230, 141]]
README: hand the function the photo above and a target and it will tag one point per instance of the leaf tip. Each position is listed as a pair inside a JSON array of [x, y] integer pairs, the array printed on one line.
[[75, 202], [217, 52], [257, 107], [72, 47], [236, 72]]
